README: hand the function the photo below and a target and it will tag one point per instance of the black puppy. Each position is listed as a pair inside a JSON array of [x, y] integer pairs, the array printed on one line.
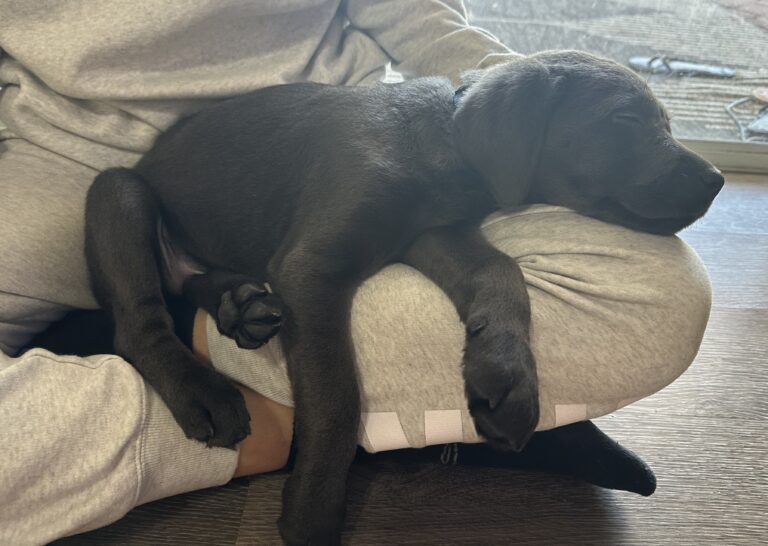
[[313, 188]]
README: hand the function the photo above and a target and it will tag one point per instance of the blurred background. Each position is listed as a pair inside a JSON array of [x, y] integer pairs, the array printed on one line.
[[727, 33]]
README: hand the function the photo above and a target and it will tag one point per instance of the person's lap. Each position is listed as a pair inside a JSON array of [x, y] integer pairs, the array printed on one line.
[[609, 303], [617, 315]]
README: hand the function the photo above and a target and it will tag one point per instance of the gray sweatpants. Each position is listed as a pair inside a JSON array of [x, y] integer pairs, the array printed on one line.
[[42, 268], [617, 315]]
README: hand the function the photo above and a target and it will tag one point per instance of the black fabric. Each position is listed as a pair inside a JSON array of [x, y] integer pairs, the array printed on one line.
[[580, 450], [86, 332], [80, 333], [183, 314]]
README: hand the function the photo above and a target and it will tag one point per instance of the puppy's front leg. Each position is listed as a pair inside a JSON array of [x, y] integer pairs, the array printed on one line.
[[121, 231], [489, 293], [317, 344]]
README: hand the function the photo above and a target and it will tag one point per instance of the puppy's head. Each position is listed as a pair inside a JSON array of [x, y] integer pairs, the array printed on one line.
[[571, 129]]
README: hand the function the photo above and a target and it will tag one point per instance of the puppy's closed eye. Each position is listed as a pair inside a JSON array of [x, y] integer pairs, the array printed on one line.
[[626, 118]]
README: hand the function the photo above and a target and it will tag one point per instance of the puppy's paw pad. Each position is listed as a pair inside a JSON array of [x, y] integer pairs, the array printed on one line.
[[249, 314]]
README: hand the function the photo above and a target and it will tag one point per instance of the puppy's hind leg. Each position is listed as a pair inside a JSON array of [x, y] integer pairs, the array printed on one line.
[[243, 308], [121, 251]]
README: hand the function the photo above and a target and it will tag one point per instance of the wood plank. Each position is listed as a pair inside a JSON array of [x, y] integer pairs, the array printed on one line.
[[728, 378], [738, 267], [741, 208], [211, 516]]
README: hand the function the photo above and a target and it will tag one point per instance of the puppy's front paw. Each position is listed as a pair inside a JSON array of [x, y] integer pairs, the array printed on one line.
[[209, 408], [501, 383], [249, 314]]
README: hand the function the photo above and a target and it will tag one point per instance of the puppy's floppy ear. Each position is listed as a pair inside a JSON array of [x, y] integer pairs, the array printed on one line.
[[501, 123], [471, 77]]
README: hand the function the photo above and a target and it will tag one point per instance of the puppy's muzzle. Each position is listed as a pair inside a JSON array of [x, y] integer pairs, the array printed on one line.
[[694, 186], [713, 180]]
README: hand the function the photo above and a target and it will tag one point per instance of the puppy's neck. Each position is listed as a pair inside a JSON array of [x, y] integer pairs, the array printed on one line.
[[458, 95]]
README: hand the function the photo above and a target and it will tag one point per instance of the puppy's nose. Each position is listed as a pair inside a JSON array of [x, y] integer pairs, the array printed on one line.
[[713, 179]]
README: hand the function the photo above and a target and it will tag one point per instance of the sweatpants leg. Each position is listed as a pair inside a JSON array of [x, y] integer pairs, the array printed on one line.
[[616, 316], [42, 265], [84, 440]]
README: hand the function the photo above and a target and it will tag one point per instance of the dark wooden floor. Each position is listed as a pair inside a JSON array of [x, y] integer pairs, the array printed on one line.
[[705, 436]]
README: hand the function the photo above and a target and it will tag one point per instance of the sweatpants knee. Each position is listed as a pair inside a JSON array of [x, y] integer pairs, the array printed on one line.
[[684, 301], [617, 315]]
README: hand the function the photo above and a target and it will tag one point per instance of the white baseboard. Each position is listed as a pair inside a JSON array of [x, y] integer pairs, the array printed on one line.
[[740, 157]]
